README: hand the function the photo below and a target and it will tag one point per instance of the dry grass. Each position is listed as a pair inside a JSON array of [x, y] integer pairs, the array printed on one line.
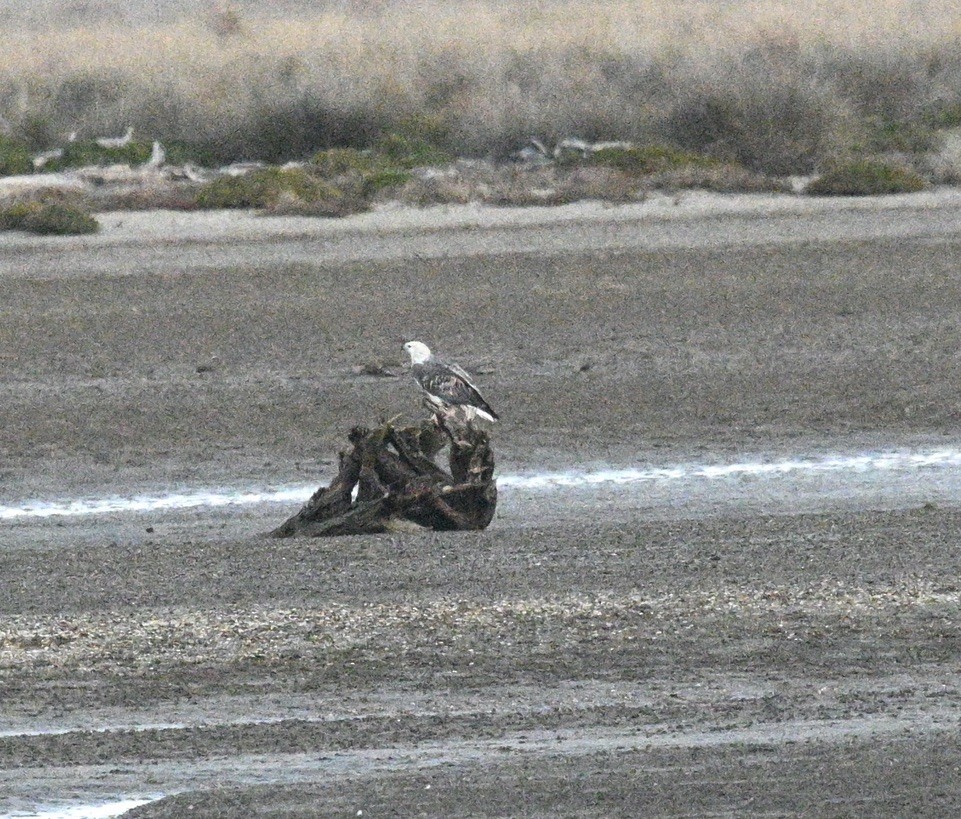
[[486, 30], [774, 85], [507, 185], [723, 178]]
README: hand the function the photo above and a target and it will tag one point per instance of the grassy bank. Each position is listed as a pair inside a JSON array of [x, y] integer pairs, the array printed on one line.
[[779, 88]]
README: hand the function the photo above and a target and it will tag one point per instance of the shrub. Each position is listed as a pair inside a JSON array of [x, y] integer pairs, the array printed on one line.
[[900, 137], [177, 196], [48, 218], [425, 127], [722, 84], [606, 184], [648, 159], [887, 85], [382, 179], [35, 132], [361, 172], [506, 185], [339, 161], [944, 115], [14, 157], [411, 151], [226, 22], [78, 91], [334, 207], [85, 153], [721, 178], [437, 190], [264, 188], [866, 177], [285, 127], [773, 125], [180, 152]]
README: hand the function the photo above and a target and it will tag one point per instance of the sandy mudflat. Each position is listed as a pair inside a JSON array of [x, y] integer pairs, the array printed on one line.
[[756, 651]]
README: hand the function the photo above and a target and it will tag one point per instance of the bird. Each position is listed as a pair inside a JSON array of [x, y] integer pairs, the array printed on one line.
[[42, 159], [612, 145], [242, 168], [533, 153], [448, 390], [567, 147], [116, 142], [157, 156]]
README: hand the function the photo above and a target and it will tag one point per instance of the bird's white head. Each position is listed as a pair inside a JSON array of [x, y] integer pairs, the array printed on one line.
[[418, 352]]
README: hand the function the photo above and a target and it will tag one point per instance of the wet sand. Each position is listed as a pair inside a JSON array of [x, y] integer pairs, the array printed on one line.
[[598, 655]]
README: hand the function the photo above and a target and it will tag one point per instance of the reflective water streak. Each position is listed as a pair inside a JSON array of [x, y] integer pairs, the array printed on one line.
[[153, 503], [95, 811], [885, 461], [899, 462]]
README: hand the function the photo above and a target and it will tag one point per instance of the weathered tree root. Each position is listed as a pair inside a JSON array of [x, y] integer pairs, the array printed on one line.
[[398, 484]]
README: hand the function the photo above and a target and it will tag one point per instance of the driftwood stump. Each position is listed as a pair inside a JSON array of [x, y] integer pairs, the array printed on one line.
[[398, 483]]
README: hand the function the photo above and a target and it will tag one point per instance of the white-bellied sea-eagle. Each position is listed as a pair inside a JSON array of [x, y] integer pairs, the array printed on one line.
[[448, 390]]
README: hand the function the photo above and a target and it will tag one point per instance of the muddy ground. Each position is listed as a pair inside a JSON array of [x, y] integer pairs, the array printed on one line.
[[585, 656]]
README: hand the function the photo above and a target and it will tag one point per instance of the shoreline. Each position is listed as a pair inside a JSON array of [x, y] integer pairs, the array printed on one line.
[[159, 227]]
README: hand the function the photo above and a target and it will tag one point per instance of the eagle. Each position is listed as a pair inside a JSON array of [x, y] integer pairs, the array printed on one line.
[[448, 390]]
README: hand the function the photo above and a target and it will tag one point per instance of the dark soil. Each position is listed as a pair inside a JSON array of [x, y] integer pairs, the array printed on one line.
[[575, 659]]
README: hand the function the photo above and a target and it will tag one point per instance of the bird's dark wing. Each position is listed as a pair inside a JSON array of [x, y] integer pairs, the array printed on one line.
[[450, 387], [451, 384], [478, 398]]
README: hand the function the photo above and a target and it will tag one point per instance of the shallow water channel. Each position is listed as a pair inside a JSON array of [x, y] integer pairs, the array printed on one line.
[[892, 478]]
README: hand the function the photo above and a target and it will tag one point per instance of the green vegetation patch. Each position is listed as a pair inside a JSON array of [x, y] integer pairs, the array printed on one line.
[[85, 153], [414, 142], [648, 159], [362, 173], [903, 137], [388, 163], [182, 153], [14, 157], [265, 188], [944, 115], [387, 178], [866, 177], [408, 151], [48, 219], [341, 161]]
